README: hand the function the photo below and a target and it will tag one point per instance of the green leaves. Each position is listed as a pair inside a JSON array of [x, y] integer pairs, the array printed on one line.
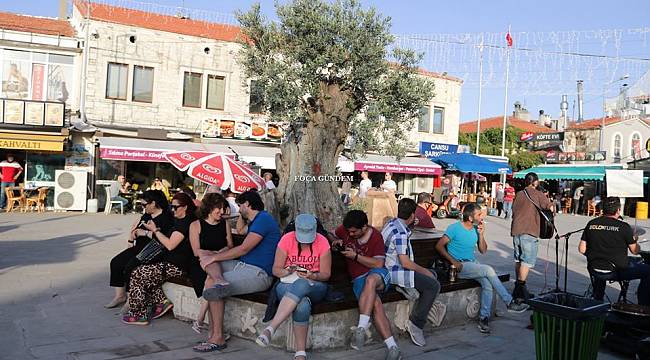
[[330, 59], [519, 157]]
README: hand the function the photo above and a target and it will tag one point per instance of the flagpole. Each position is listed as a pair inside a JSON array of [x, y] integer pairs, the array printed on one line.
[[505, 101], [480, 91]]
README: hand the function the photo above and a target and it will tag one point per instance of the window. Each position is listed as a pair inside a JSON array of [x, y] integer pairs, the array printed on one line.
[[216, 92], [192, 89], [438, 120], [116, 81], [142, 84], [256, 101], [424, 122], [635, 143], [617, 146]]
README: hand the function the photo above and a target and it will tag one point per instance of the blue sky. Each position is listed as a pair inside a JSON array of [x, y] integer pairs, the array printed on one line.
[[474, 16]]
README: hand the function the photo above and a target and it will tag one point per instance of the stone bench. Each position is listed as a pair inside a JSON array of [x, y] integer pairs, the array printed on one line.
[[330, 324]]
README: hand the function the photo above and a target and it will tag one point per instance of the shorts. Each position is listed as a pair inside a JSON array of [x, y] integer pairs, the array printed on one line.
[[525, 248], [359, 283]]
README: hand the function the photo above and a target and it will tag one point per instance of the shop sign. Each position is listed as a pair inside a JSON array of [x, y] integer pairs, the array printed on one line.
[[397, 168], [243, 129], [429, 149], [529, 136], [558, 156], [31, 142], [132, 154]]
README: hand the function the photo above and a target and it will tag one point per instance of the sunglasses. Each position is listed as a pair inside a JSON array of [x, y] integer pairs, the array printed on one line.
[[175, 207]]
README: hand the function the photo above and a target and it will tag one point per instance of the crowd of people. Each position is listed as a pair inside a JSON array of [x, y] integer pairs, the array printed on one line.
[[198, 244]]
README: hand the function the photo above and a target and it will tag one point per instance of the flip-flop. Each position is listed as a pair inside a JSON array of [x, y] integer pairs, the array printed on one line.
[[216, 292], [226, 337], [206, 347]]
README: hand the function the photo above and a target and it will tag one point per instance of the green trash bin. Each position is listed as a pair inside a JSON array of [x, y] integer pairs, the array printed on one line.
[[567, 326]]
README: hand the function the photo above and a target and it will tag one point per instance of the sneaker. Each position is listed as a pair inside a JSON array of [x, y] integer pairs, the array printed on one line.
[[484, 326], [393, 354], [358, 338], [161, 309], [417, 335], [515, 307], [133, 320]]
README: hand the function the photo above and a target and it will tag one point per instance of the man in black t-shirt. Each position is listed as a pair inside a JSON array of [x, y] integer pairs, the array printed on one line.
[[606, 241]]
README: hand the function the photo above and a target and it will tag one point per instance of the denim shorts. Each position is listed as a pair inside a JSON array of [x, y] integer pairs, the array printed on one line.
[[359, 283], [525, 247]]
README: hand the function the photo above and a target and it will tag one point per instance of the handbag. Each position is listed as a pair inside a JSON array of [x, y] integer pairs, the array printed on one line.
[[151, 252], [546, 225]]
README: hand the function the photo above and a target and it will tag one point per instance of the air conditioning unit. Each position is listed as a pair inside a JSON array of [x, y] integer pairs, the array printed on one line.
[[423, 184], [70, 190]]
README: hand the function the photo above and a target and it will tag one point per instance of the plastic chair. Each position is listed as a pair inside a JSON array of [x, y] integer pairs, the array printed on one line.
[[13, 199], [109, 203]]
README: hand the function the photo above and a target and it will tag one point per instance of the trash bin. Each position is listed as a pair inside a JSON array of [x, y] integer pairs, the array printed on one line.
[[641, 210], [567, 326]]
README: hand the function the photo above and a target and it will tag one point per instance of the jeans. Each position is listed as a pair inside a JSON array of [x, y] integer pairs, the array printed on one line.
[[507, 208], [359, 283], [499, 207], [428, 288], [120, 199], [487, 277], [303, 292], [636, 270], [525, 248], [3, 194]]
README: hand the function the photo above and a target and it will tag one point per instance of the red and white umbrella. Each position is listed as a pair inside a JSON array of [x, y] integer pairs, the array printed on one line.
[[216, 169]]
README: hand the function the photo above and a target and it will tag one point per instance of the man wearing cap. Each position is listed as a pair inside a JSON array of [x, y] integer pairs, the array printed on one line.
[[303, 263], [247, 267], [363, 248], [405, 273]]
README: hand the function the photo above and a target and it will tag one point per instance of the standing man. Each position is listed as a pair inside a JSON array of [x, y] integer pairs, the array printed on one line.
[[525, 231], [404, 272], [500, 194], [268, 180], [11, 171], [363, 248], [247, 268], [508, 198], [365, 185], [422, 218], [577, 197], [389, 184], [458, 246]]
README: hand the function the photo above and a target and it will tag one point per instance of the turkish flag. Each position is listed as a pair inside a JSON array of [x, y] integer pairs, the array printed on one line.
[[509, 39]]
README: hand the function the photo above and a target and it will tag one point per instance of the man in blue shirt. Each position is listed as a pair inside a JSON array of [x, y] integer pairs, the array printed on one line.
[[247, 267], [458, 246]]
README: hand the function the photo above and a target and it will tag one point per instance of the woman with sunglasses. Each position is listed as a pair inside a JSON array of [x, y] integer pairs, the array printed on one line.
[[145, 286], [156, 209]]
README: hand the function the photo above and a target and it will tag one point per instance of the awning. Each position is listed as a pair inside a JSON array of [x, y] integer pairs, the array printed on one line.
[[28, 141], [407, 165], [568, 172], [466, 162]]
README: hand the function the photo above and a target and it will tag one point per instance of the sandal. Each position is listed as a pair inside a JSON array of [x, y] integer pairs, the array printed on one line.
[[300, 353], [263, 340], [206, 347], [226, 337]]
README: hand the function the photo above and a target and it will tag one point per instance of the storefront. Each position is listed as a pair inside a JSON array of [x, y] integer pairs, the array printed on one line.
[[412, 174]]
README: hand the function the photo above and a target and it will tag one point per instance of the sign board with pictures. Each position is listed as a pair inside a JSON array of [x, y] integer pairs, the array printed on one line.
[[32, 113], [14, 112], [557, 156], [243, 129]]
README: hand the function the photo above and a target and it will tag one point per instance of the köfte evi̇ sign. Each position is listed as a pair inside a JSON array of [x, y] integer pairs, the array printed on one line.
[[529, 136]]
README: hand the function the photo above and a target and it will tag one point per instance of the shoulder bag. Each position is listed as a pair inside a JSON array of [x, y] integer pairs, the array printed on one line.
[[152, 252], [546, 225]]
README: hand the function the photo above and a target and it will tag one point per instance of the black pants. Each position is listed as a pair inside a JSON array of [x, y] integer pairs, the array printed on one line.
[[428, 288], [122, 261], [499, 207]]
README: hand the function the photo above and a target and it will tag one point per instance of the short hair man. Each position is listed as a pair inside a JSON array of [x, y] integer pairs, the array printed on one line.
[[524, 229], [10, 171], [247, 267], [363, 248], [364, 185], [421, 215], [606, 241], [404, 272], [389, 184], [458, 246]]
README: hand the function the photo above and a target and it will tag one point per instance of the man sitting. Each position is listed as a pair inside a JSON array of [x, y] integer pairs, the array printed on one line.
[[405, 272], [247, 268], [363, 248], [421, 214], [605, 241], [458, 246]]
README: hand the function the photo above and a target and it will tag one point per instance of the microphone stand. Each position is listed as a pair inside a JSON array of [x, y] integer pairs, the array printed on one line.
[[234, 152], [566, 258]]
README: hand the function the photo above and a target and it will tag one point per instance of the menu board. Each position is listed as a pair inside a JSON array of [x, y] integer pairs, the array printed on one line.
[[14, 110], [242, 129]]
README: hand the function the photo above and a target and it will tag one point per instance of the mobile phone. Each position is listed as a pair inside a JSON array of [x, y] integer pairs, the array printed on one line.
[[338, 247], [301, 269]]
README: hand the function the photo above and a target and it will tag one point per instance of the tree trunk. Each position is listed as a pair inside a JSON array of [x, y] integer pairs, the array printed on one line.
[[308, 162]]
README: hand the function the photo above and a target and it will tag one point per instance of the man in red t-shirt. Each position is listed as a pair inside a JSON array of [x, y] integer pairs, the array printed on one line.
[[10, 170], [508, 198], [363, 248], [421, 214]]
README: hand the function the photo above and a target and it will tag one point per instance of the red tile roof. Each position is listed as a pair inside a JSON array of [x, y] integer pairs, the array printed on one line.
[[430, 73], [34, 24], [153, 21], [497, 123], [593, 123]]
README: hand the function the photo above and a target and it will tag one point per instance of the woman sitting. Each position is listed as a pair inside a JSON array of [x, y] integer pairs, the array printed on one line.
[[156, 210], [145, 286], [303, 263], [211, 233]]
